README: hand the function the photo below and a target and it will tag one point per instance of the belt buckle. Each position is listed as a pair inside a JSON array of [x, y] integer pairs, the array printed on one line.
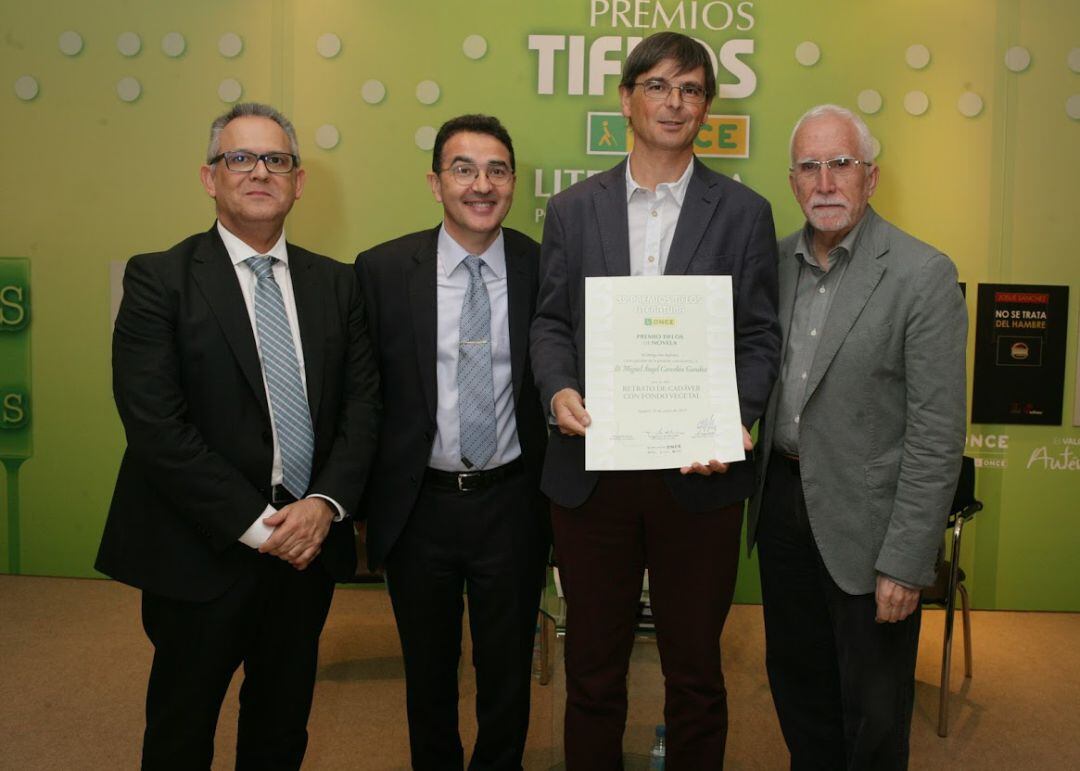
[[462, 481]]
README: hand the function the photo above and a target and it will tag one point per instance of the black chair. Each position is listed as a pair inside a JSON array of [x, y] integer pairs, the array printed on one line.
[[950, 579]]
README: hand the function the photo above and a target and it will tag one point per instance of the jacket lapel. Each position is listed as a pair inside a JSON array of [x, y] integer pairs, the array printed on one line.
[[700, 202], [859, 281], [520, 290], [215, 276], [423, 307], [311, 300], [610, 206], [788, 280]]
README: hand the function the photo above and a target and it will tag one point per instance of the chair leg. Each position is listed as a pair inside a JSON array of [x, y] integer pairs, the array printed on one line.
[[547, 633], [966, 608], [946, 659]]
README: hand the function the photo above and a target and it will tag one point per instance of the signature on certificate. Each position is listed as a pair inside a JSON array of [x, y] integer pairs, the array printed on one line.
[[706, 426]]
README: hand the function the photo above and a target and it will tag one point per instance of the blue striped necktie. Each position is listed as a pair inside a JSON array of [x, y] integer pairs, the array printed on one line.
[[288, 403], [476, 389]]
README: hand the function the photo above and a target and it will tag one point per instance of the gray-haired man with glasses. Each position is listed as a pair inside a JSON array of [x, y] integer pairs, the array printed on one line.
[[246, 384], [858, 457], [454, 502]]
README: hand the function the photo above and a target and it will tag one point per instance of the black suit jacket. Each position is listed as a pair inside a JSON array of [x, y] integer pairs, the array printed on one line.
[[189, 388], [398, 280], [724, 228]]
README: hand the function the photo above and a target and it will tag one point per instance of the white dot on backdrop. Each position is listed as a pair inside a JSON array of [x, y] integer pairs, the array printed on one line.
[[1073, 60], [917, 56], [327, 136], [875, 147], [916, 102], [969, 104], [70, 42], [474, 46], [230, 45], [128, 89], [173, 44], [373, 92], [1017, 58], [328, 45], [425, 137], [229, 90], [1072, 106], [427, 92], [807, 54], [26, 87], [869, 101], [128, 44]]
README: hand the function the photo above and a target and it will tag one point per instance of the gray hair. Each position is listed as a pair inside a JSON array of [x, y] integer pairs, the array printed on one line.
[[866, 141], [246, 110]]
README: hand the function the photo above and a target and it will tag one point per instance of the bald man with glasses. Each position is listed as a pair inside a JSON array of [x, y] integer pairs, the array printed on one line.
[[245, 380]]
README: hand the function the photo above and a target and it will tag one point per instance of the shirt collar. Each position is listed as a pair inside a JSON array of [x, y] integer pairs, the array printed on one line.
[[452, 254], [676, 188], [847, 244], [240, 251]]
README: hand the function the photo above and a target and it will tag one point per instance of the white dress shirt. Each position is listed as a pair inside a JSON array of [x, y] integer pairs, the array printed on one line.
[[239, 251], [652, 217], [452, 280]]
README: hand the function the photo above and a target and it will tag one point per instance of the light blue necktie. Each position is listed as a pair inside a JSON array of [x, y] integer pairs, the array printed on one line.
[[292, 416], [476, 389]]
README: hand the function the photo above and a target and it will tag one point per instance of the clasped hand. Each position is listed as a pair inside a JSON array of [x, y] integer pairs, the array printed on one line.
[[299, 531]]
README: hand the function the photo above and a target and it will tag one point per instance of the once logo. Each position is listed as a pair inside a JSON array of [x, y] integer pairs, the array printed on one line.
[[720, 136]]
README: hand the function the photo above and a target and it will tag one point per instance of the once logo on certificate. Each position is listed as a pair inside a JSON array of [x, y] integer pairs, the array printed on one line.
[[660, 372]]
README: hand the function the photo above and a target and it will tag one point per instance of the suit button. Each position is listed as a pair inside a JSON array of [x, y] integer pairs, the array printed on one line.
[[412, 478]]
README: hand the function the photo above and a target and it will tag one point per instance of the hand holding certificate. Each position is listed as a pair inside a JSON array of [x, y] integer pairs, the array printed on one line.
[[660, 373]]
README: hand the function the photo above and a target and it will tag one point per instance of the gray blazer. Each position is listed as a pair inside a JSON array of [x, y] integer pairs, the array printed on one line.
[[881, 433]]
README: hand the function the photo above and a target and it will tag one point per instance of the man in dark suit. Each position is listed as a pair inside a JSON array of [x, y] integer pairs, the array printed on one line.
[[860, 451], [454, 498], [245, 381], [661, 212]]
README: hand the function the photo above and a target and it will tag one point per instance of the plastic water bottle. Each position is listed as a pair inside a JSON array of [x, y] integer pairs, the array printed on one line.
[[659, 749]]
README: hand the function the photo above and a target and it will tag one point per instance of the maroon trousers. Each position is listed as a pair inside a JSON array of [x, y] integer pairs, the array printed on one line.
[[631, 522]]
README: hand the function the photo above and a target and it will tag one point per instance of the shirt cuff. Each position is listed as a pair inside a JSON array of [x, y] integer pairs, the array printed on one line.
[[339, 515], [256, 535]]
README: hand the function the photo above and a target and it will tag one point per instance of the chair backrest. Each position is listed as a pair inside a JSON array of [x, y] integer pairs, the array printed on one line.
[[965, 487]]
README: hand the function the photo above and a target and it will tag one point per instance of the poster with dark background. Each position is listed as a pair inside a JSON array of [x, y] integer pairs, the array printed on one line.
[[1020, 339]]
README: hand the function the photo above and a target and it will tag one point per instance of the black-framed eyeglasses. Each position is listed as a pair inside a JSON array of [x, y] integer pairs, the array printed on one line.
[[658, 90], [245, 160], [467, 173], [844, 166]]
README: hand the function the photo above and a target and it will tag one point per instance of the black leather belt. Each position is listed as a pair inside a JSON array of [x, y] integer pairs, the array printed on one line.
[[468, 481], [280, 497], [789, 460]]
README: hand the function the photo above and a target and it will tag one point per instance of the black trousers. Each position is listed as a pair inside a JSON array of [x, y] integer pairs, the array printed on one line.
[[491, 543], [630, 522], [269, 621], [843, 685]]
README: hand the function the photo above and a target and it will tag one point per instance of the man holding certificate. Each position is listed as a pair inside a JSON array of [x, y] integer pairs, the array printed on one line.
[[659, 214]]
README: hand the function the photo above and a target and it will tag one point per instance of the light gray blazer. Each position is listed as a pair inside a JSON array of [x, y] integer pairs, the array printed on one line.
[[881, 433]]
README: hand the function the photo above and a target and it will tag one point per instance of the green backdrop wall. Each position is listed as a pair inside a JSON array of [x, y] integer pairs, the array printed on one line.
[[975, 106]]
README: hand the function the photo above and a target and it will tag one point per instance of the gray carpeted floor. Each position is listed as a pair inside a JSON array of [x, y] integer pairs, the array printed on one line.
[[74, 660]]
